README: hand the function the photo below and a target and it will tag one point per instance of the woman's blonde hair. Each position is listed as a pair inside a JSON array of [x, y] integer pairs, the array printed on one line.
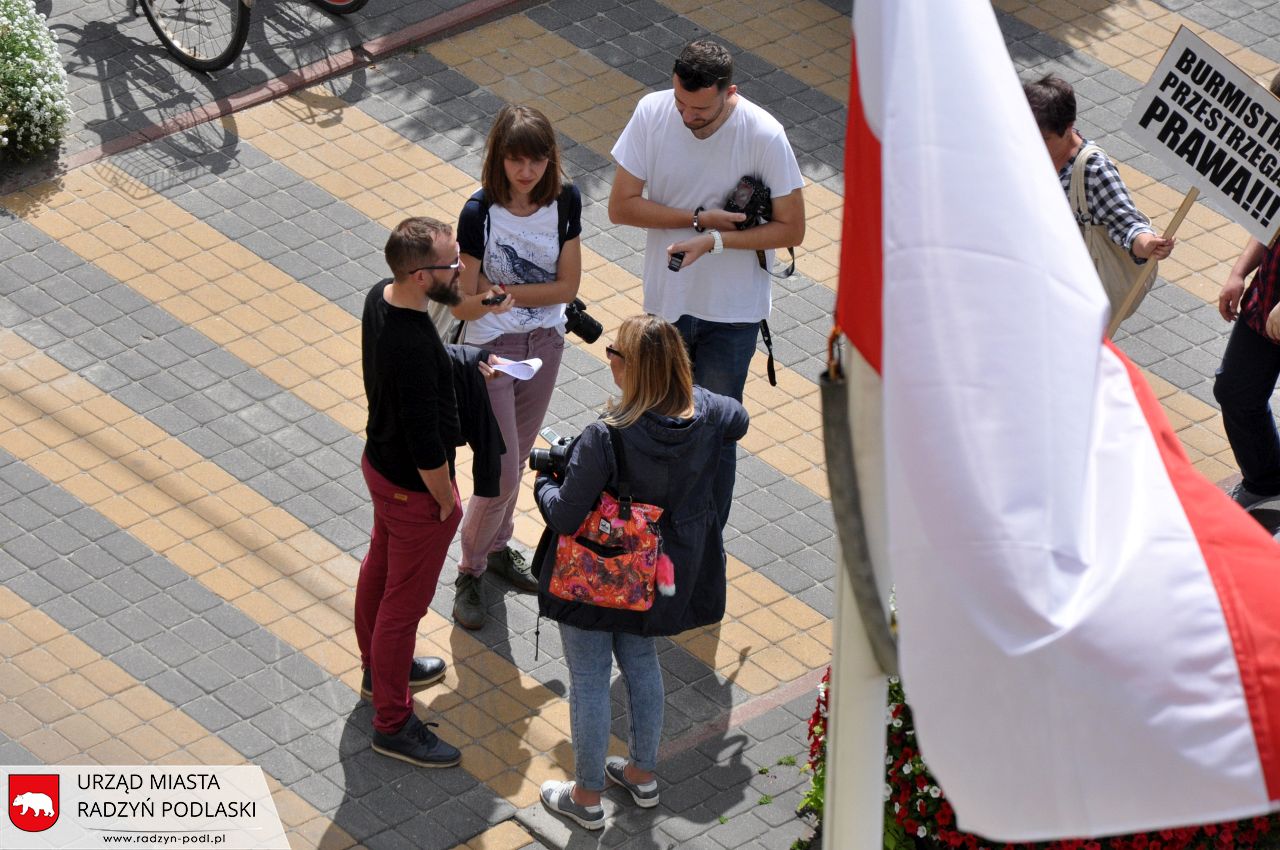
[[657, 375]]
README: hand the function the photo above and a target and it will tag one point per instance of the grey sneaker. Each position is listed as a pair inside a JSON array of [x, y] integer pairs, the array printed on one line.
[[558, 797], [416, 744], [1245, 497], [645, 794], [468, 602], [511, 565]]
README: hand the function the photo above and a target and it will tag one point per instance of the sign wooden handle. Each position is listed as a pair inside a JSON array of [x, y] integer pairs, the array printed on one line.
[[1141, 286]]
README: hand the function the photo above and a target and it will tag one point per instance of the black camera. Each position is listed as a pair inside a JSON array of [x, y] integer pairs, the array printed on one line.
[[578, 321], [753, 199], [554, 460]]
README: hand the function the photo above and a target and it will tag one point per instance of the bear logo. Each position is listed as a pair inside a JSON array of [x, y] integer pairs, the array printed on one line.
[[35, 801]]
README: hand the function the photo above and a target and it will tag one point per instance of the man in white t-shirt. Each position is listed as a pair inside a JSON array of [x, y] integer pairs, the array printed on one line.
[[680, 156]]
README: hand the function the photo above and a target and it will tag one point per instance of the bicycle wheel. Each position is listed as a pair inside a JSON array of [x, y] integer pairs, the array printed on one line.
[[204, 35], [341, 7]]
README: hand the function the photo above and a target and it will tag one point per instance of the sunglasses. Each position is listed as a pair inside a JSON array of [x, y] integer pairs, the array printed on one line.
[[451, 267], [694, 79], [613, 352]]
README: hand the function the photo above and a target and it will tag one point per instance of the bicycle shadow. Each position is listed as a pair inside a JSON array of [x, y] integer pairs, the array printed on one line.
[[123, 84], [138, 92]]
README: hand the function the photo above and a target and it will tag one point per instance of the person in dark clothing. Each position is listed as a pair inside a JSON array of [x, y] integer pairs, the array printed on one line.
[[1250, 368], [408, 467], [672, 435]]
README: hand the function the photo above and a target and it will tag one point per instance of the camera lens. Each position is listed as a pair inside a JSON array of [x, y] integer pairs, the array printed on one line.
[[578, 321]]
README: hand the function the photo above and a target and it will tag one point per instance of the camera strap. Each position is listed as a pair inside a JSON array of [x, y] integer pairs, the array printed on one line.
[[791, 267], [624, 485], [768, 346]]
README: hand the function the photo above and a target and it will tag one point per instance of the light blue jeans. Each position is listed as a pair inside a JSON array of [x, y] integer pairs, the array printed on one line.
[[721, 353], [589, 655]]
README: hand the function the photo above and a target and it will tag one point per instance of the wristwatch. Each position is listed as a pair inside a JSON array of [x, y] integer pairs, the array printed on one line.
[[717, 242], [696, 226]]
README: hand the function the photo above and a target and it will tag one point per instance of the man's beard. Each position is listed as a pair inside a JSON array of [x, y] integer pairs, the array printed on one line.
[[445, 293]]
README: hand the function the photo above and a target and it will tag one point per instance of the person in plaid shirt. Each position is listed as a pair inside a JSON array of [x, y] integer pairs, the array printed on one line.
[[1250, 368], [1053, 103]]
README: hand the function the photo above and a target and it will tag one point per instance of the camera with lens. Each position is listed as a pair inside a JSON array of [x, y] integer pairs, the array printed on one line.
[[553, 460], [578, 321]]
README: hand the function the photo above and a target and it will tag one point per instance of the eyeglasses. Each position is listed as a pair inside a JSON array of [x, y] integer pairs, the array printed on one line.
[[613, 352], [452, 267]]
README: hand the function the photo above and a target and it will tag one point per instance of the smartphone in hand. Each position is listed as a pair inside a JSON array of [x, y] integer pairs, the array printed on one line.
[[677, 259], [494, 299]]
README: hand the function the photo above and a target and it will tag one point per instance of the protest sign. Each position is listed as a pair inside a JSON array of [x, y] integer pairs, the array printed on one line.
[[1213, 124]]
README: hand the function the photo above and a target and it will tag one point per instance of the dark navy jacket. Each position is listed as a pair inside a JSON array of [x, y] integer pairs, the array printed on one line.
[[671, 463]]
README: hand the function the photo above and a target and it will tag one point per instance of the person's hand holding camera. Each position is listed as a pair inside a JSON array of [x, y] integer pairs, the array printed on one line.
[[709, 219]]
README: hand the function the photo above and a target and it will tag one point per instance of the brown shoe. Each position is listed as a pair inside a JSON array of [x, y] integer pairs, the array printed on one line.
[[468, 602], [511, 565]]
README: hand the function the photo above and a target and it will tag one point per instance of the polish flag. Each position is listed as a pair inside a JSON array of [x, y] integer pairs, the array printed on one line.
[[1089, 629]]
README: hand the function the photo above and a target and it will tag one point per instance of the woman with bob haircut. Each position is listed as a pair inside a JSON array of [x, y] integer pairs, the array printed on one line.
[[672, 434], [518, 237]]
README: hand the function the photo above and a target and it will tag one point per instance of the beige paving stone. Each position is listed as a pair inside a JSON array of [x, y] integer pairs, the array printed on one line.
[[113, 751], [779, 664], [45, 703], [143, 702], [149, 743], [15, 721], [81, 731], [769, 625], [754, 679], [812, 653], [16, 682], [51, 747], [41, 630], [71, 650]]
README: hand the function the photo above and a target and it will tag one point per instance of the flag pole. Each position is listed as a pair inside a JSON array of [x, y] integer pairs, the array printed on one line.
[[1140, 288], [863, 648]]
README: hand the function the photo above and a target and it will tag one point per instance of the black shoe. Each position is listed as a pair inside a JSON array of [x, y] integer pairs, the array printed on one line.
[[416, 744], [425, 670], [468, 604], [511, 565]]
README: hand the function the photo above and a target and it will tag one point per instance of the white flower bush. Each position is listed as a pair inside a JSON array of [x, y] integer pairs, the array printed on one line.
[[34, 108]]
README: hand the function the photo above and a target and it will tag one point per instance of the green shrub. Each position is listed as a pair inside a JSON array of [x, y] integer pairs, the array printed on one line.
[[33, 86]]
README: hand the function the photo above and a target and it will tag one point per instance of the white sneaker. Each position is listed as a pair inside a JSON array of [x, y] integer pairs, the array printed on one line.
[[645, 794], [558, 797]]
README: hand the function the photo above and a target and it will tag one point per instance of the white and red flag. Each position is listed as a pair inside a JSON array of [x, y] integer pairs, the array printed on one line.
[[1089, 629]]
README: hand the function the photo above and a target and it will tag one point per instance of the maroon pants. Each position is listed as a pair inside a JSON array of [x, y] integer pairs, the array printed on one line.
[[397, 581]]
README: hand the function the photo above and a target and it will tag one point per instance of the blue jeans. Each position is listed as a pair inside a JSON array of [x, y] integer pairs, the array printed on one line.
[[589, 655], [721, 353], [1243, 387]]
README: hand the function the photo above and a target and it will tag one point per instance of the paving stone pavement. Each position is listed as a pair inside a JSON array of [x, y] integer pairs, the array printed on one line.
[[181, 510]]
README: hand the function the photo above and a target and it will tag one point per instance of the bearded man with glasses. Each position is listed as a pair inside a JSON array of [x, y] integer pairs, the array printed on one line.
[[408, 465]]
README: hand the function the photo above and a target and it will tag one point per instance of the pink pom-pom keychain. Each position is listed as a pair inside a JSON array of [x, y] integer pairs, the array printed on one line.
[[665, 576]]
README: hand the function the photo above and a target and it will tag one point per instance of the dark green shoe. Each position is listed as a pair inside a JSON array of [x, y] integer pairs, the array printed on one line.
[[511, 565], [468, 603]]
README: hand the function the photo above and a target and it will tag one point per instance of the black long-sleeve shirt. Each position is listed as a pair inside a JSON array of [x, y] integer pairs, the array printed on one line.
[[408, 380]]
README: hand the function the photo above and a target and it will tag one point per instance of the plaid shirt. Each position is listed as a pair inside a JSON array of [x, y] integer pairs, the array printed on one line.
[[1108, 201], [1263, 293]]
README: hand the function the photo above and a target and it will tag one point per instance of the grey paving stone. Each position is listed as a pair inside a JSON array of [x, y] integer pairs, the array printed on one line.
[[283, 765]]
